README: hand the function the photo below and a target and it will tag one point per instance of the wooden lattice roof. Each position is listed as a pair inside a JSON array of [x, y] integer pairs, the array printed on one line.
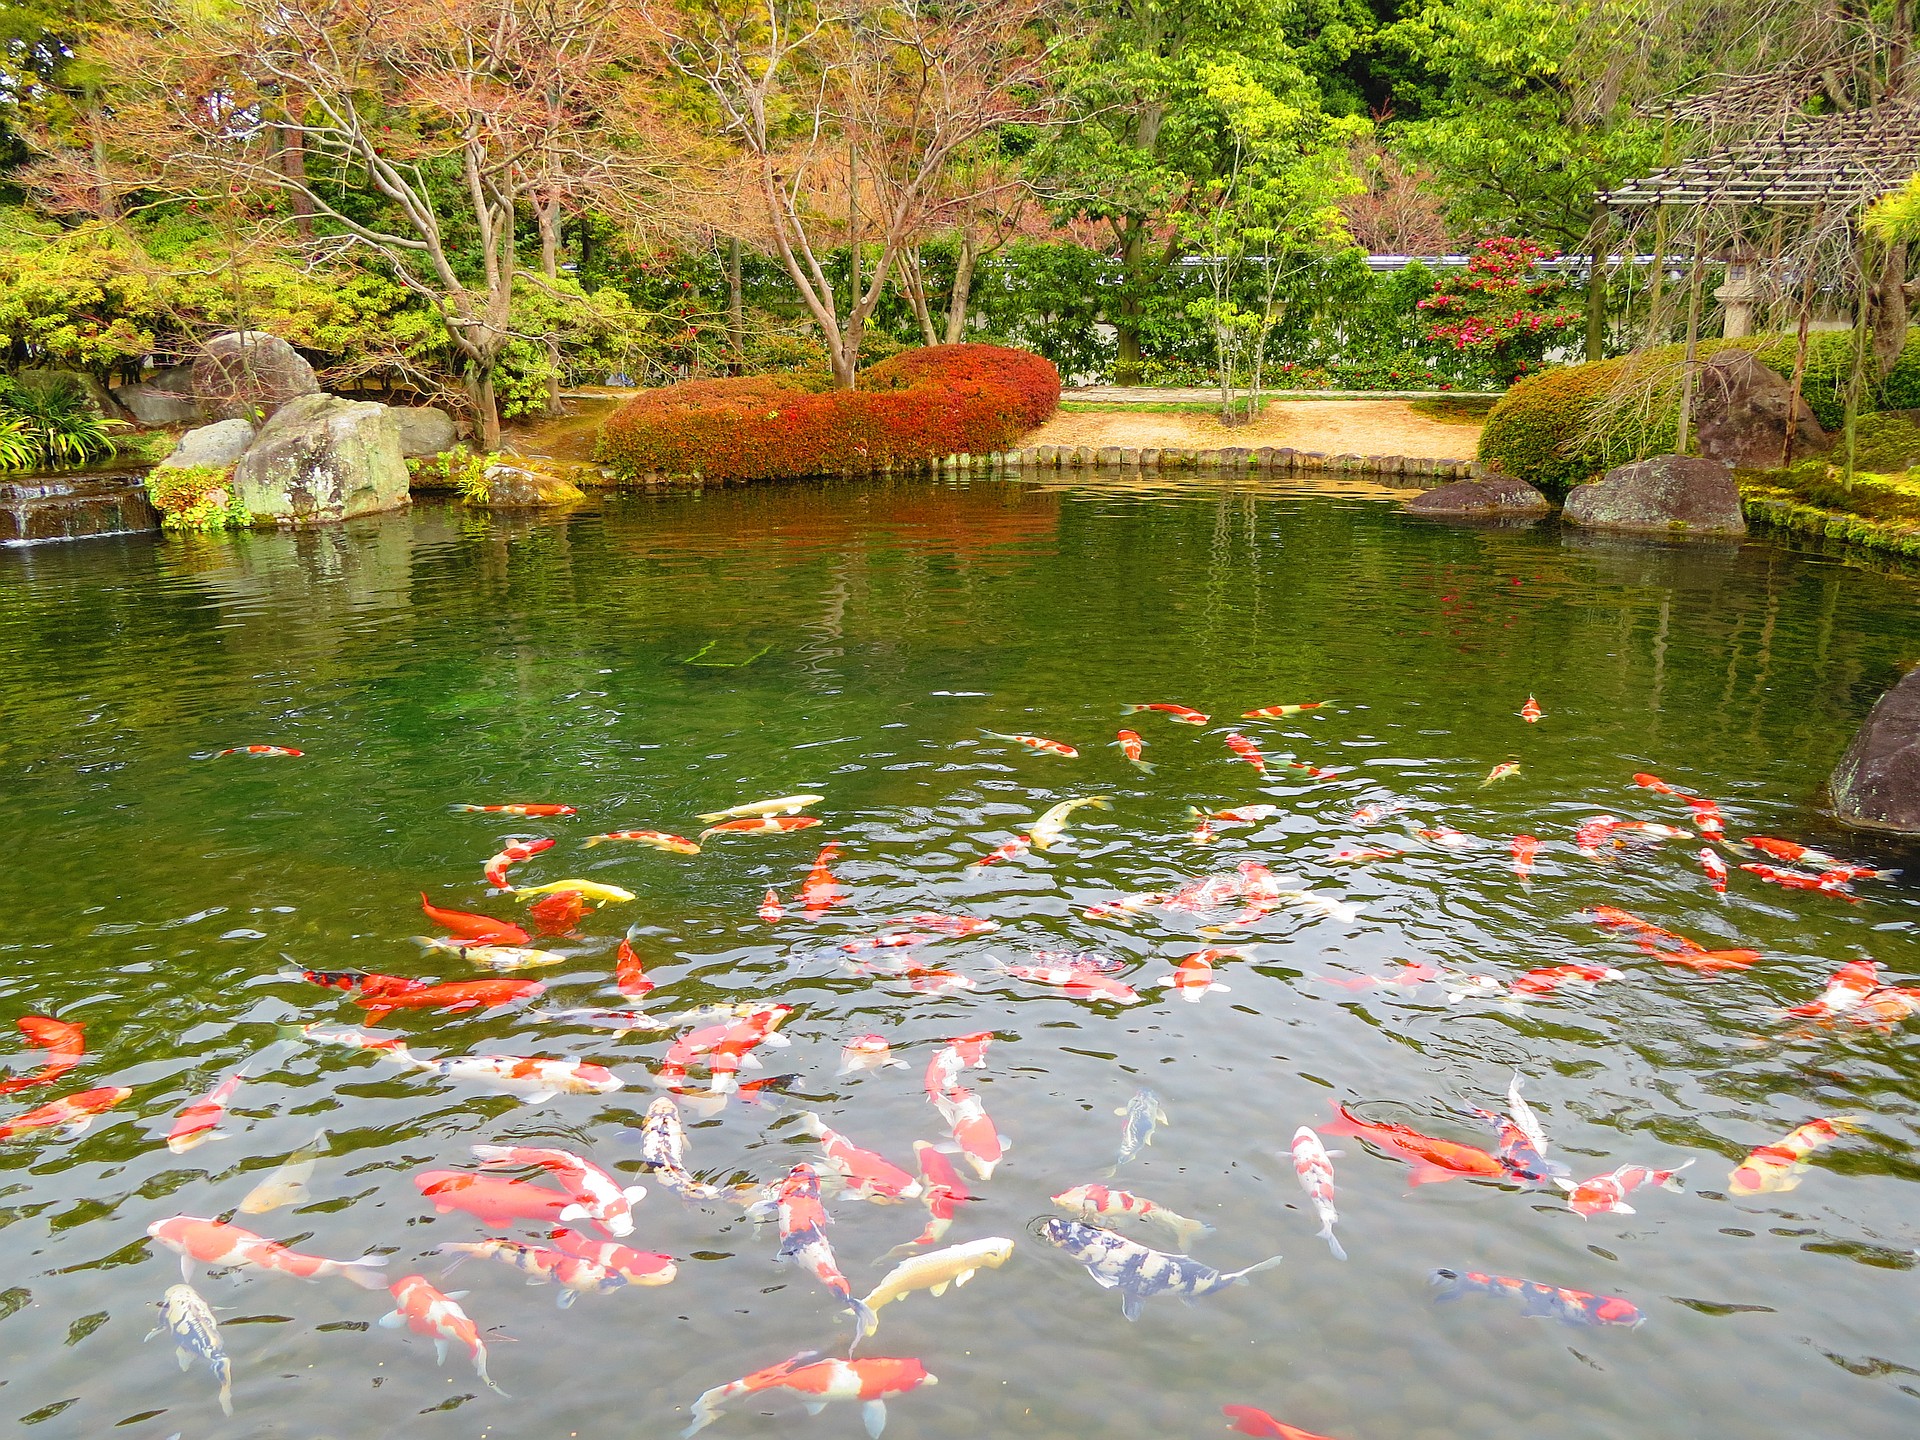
[[1841, 160]]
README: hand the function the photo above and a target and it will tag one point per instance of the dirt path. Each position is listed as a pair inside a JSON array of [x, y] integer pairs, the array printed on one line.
[[1333, 427]]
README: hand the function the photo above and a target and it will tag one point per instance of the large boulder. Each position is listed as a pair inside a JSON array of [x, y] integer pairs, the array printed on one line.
[[1876, 785], [218, 444], [512, 485], [322, 458], [150, 405], [424, 430], [1489, 493], [249, 374], [1664, 495], [1740, 413]]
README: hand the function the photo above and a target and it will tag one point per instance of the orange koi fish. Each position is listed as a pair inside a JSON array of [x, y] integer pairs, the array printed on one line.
[[1795, 880], [425, 1311], [1594, 832], [1524, 848], [1249, 1421], [1715, 869], [199, 1122], [1193, 976], [1653, 783], [1431, 1159], [596, 1195], [525, 812], [1793, 854], [1780, 1166], [866, 1052], [382, 994], [1182, 713], [1501, 772], [490, 1200], [636, 1267], [1077, 981], [1847, 874], [1246, 750], [477, 929], [216, 1243], [771, 910], [943, 1192], [629, 975], [953, 1059], [72, 1112], [1037, 743], [868, 1381], [658, 839], [1130, 746], [1448, 838], [803, 1238], [1531, 711], [821, 891], [1549, 978], [1019, 845], [868, 1176], [1607, 1194], [559, 912], [1280, 712], [1361, 855], [1851, 984], [958, 926], [1706, 816], [65, 1044], [514, 852], [761, 825], [281, 750]]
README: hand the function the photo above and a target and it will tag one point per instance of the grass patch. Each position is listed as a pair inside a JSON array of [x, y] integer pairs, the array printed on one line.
[[1148, 407]]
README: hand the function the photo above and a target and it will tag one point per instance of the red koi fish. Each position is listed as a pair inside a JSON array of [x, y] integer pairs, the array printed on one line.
[[629, 975], [953, 1059], [1851, 984], [981, 1143], [1249, 1421], [524, 812], [199, 1122], [1431, 1159], [1131, 746], [771, 910], [1019, 845], [1524, 848], [1653, 783], [1795, 880], [1037, 743], [1240, 815], [1280, 712], [1608, 918], [489, 1199], [1247, 751], [475, 929], [1077, 981], [636, 1267], [1193, 976], [1549, 978], [1706, 816], [65, 1044], [868, 1176], [1556, 1302], [216, 1243], [380, 995], [941, 1190], [1715, 869], [724, 1049], [596, 1195], [957, 926], [821, 891], [425, 1311], [1790, 852], [281, 750], [892, 940], [1531, 711], [761, 825], [1182, 713], [1847, 874], [512, 854], [930, 981], [1410, 973], [868, 1381], [1592, 833], [1607, 1194], [72, 1112], [803, 1238], [658, 839], [559, 912], [1448, 838], [1779, 1166]]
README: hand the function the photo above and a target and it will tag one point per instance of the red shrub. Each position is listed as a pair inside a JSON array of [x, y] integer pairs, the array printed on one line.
[[918, 406]]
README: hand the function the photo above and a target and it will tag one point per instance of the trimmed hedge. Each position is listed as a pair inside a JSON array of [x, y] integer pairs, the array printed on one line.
[[918, 406], [1531, 433]]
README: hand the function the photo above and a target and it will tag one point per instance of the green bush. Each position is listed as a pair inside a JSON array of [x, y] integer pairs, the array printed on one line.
[[53, 421], [458, 469], [197, 498]]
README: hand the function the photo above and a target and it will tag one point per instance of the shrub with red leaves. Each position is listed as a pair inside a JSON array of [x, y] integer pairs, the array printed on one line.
[[918, 406], [1502, 310]]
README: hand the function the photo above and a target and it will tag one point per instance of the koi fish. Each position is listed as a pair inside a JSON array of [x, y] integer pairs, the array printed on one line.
[[868, 1381], [1016, 846], [953, 1059], [1373, 814], [65, 1044], [785, 805], [629, 974], [475, 929], [1592, 833], [1193, 976], [866, 1052], [943, 1192], [1524, 848], [1246, 750], [657, 839], [636, 1267], [512, 854], [503, 959], [425, 1311], [1448, 838], [767, 825], [1850, 985], [1706, 816], [1569, 1307], [74, 1113], [1531, 711], [1655, 941], [1037, 743], [1431, 1159], [280, 750], [1143, 1112], [1048, 829], [597, 1196], [1131, 746], [490, 1200], [576, 1276], [1249, 1421], [1099, 1200], [1794, 880], [1203, 833], [803, 1239], [591, 889], [1847, 874], [1653, 783], [663, 1150], [1715, 868], [1077, 981], [1501, 772], [1280, 712], [1411, 972], [1315, 1169], [287, 1185], [525, 812], [199, 1122], [216, 1243], [380, 995], [957, 926], [1651, 830], [1139, 1273], [1770, 1169], [535, 1079], [1182, 713], [821, 891], [981, 1144], [188, 1321], [955, 1266], [771, 910], [1523, 1142], [1361, 855], [891, 940], [388, 1047], [868, 1176], [1240, 815], [1549, 978], [1607, 1194], [724, 1049], [930, 980]]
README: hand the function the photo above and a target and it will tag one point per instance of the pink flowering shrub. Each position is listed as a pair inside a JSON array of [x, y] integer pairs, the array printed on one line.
[[1501, 311]]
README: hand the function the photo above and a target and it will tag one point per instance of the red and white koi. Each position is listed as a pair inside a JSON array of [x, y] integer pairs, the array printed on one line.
[[1431, 1159], [216, 1243], [1280, 712], [951, 1060], [636, 1267], [199, 1122], [1374, 813], [523, 812], [820, 890], [1524, 848], [1501, 772], [1410, 973], [1795, 880], [1779, 1166], [1448, 838], [1246, 750], [71, 1113], [380, 995], [868, 1176], [1019, 845], [1548, 978], [512, 853], [1607, 1194], [1131, 746], [958, 927], [724, 1049], [1101, 1200], [1193, 976], [869, 1382], [1706, 816], [425, 1311], [576, 1275], [1846, 990], [489, 1199], [1079, 982], [1531, 711], [596, 1195], [629, 973], [1184, 714], [866, 1052], [64, 1042], [761, 825], [1362, 855], [1714, 868], [803, 1237], [535, 1079], [941, 1190], [1651, 830], [1037, 743], [1239, 815], [1315, 1169], [980, 1141], [771, 910], [658, 839], [282, 751], [1592, 833]]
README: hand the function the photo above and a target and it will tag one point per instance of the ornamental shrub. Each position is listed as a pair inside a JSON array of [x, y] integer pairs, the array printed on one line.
[[1501, 311], [919, 406], [197, 497]]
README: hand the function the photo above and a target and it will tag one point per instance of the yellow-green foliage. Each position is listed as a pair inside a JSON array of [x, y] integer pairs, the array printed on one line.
[[1815, 498], [197, 497], [457, 468]]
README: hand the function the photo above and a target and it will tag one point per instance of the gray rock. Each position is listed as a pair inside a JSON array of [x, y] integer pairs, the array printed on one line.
[[521, 487], [1489, 494], [1666, 495], [151, 406], [221, 443], [1740, 413], [249, 374], [322, 458], [424, 430], [1876, 785], [173, 379]]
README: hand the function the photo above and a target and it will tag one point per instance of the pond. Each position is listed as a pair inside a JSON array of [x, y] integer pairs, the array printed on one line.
[[651, 659]]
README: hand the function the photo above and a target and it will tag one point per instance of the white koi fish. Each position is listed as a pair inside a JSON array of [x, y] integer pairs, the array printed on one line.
[[1315, 1169], [933, 1273], [784, 805], [1052, 825]]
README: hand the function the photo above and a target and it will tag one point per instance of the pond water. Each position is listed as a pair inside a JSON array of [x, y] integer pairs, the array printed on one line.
[[425, 660]]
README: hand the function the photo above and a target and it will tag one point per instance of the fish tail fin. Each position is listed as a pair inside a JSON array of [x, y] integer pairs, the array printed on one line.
[[1131, 709], [812, 1124], [223, 1368], [369, 1272], [1344, 1122], [1846, 1124], [1326, 1234], [466, 809], [1448, 1285], [1186, 1230], [1672, 1182], [1146, 765], [1424, 1174], [1240, 1277], [864, 1320], [591, 841]]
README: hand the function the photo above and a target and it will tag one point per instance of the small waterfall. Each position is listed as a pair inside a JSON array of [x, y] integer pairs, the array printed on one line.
[[74, 506]]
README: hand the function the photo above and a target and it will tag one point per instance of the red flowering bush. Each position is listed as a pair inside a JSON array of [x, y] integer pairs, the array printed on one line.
[[1501, 310], [918, 406]]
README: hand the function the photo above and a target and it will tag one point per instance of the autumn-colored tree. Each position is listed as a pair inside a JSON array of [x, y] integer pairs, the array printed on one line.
[[1502, 310]]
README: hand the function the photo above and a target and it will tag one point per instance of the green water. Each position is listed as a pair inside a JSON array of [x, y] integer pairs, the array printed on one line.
[[438, 657]]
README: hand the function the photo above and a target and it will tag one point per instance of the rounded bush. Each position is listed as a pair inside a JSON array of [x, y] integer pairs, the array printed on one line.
[[917, 406]]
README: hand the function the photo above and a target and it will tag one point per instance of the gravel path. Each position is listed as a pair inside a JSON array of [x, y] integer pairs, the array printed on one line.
[[1334, 427]]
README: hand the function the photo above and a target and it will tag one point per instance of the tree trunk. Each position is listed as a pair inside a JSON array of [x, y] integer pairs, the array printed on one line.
[[736, 308], [97, 140], [1126, 322], [293, 164], [486, 413], [1890, 310], [1597, 288], [546, 217], [962, 289], [913, 280]]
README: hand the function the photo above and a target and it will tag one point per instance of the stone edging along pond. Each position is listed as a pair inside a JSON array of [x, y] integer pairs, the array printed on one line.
[[1266, 460]]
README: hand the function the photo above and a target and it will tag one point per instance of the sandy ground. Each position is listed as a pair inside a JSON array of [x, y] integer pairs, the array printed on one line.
[[1333, 427]]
